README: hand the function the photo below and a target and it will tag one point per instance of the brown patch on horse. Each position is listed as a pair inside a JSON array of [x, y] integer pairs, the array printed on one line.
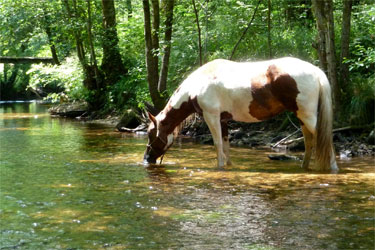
[[175, 116], [225, 116], [272, 93], [283, 87], [224, 131]]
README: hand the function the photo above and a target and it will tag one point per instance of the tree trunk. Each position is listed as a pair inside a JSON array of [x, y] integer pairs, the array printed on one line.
[[345, 39], [331, 54], [162, 85], [151, 59], [269, 29], [326, 49], [112, 65], [199, 33], [322, 30]]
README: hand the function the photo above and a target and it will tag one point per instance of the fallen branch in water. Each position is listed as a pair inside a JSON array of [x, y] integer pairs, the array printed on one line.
[[282, 140], [141, 127]]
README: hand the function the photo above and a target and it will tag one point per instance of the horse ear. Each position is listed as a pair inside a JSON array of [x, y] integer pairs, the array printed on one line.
[[152, 118]]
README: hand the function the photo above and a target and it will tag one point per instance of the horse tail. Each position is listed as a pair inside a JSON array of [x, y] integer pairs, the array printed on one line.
[[325, 153]]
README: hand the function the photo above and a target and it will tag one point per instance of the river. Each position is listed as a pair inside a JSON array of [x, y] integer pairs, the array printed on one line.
[[67, 184]]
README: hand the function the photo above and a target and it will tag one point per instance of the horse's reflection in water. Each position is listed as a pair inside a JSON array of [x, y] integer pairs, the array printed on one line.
[[250, 92], [158, 173]]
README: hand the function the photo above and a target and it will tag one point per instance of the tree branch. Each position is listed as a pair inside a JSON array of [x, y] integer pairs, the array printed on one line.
[[245, 31]]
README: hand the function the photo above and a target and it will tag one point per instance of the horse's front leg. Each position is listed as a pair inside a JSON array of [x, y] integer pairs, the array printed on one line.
[[213, 123]]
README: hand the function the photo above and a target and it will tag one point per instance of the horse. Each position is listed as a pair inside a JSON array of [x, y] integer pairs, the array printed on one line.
[[223, 90]]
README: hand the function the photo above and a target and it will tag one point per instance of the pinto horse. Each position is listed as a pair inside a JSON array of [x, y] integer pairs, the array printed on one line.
[[250, 92]]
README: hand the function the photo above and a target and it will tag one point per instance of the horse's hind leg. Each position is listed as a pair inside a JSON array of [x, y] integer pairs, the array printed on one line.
[[309, 143], [225, 136], [213, 123]]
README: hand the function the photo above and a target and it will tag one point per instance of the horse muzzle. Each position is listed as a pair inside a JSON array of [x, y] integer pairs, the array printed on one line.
[[148, 159]]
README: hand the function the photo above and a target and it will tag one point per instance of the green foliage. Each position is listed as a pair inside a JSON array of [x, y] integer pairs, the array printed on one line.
[[360, 94], [362, 61], [63, 81], [131, 91], [361, 106]]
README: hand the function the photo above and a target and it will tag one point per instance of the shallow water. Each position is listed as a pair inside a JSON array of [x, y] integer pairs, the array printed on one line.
[[72, 185]]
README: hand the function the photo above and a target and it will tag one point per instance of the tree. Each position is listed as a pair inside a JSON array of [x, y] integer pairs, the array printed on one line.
[[157, 83], [112, 64], [326, 48]]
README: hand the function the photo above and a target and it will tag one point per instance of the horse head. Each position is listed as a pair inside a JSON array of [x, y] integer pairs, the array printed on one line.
[[158, 141]]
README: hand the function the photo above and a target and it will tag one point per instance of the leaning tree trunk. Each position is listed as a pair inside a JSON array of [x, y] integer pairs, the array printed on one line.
[[199, 33], [162, 84], [245, 31], [89, 81], [112, 64]]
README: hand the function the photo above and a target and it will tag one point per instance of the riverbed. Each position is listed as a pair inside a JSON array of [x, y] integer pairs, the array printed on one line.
[[67, 184]]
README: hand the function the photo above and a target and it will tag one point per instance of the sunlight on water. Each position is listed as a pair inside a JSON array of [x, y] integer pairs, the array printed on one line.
[[72, 185]]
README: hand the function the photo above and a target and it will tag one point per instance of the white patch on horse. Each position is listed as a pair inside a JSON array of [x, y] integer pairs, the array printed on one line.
[[179, 98]]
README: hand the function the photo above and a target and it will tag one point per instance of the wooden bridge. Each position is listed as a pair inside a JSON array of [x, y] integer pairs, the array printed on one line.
[[26, 60]]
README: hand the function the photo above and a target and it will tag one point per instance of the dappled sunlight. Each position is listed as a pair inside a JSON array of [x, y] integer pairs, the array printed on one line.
[[125, 159], [60, 216], [11, 116], [77, 220], [168, 211]]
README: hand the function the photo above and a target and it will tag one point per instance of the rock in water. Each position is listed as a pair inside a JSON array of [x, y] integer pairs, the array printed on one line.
[[129, 120]]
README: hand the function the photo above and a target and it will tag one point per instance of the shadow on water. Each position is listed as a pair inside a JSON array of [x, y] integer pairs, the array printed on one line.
[[70, 185]]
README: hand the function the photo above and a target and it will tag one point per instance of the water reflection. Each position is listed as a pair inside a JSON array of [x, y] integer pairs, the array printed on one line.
[[72, 185]]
